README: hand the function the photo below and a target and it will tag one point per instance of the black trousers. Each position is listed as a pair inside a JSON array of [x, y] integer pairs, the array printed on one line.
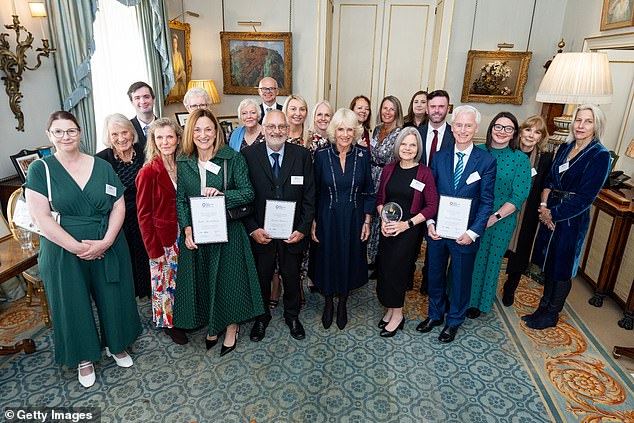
[[290, 268]]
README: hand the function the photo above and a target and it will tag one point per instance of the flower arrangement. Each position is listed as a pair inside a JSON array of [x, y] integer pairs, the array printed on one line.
[[491, 77]]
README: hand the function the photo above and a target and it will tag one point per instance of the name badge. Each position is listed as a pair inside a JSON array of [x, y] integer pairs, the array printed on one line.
[[297, 180], [533, 172], [212, 167], [110, 190], [475, 176], [417, 185], [564, 167]]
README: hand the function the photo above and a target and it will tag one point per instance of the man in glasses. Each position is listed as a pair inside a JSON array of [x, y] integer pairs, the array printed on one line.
[[267, 88], [281, 172], [142, 99]]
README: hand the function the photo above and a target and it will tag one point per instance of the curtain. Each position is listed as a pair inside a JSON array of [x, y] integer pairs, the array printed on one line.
[[154, 25], [72, 35]]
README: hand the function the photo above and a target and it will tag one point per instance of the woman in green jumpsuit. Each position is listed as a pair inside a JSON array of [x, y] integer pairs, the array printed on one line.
[[217, 283], [84, 257]]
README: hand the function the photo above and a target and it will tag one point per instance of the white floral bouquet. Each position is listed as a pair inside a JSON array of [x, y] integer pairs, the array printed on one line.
[[491, 77]]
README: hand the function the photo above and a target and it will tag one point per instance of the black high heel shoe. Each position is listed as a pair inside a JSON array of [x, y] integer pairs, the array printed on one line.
[[388, 334], [225, 349], [209, 343], [382, 323]]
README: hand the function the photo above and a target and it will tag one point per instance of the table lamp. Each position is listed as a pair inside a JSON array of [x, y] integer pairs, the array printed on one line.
[[572, 79], [207, 85]]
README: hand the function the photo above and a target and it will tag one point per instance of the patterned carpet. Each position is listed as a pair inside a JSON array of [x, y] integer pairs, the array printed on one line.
[[493, 372]]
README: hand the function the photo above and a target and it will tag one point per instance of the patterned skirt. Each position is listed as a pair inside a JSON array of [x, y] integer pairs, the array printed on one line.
[[163, 277]]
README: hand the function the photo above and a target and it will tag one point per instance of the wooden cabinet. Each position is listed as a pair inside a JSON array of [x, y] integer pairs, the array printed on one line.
[[608, 258]]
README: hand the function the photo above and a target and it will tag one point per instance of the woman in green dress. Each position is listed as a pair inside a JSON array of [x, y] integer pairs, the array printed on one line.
[[85, 256], [217, 283], [512, 183]]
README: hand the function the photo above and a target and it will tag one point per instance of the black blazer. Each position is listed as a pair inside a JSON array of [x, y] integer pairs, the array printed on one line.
[[297, 162], [448, 140], [139, 130], [277, 106]]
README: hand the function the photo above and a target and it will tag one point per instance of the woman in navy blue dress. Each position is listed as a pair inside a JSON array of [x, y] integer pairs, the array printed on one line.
[[575, 179], [345, 203]]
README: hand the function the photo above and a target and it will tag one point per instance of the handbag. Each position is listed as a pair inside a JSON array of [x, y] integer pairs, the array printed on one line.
[[21, 216], [239, 212]]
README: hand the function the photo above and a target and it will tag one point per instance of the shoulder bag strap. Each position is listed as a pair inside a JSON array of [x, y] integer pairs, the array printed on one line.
[[48, 186], [224, 175]]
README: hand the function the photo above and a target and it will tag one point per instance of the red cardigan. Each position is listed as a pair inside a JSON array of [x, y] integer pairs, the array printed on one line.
[[425, 203], [156, 208]]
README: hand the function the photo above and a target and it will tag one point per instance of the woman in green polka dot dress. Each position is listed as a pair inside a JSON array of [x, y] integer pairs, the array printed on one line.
[[512, 183]]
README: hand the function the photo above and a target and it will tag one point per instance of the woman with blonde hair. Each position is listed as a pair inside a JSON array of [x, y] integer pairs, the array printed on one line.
[[296, 110], [156, 211], [318, 131], [217, 283], [533, 142]]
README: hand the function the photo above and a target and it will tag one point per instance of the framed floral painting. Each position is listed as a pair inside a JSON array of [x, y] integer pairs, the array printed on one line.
[[495, 76]]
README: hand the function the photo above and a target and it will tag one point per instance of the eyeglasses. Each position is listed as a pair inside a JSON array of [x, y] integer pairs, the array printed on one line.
[[198, 106], [274, 127], [58, 133], [267, 89], [507, 129]]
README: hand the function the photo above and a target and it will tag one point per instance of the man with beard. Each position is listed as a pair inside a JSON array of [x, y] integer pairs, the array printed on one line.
[[436, 135], [142, 98], [280, 171]]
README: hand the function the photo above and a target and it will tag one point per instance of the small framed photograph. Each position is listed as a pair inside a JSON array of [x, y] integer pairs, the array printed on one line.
[[181, 118], [617, 14], [23, 160]]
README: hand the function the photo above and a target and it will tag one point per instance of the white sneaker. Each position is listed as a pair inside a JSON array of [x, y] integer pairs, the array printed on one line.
[[88, 380], [121, 362]]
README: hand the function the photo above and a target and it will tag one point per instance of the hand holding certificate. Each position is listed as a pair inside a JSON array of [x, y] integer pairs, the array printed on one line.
[[278, 218], [453, 216], [209, 219]]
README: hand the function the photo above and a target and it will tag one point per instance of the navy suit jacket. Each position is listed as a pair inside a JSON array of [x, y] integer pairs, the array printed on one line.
[[139, 130], [481, 191], [447, 141], [277, 106]]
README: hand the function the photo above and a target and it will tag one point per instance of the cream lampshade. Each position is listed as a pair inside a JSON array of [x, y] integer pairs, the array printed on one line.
[[207, 85], [575, 78]]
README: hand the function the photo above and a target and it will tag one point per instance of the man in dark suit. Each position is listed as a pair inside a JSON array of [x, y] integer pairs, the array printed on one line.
[[142, 97], [267, 88], [465, 172], [280, 171], [436, 135]]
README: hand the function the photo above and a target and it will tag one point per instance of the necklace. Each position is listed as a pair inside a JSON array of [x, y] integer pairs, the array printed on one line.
[[126, 162]]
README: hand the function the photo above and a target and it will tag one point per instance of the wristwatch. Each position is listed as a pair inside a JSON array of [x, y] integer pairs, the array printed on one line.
[[498, 215], [410, 223]]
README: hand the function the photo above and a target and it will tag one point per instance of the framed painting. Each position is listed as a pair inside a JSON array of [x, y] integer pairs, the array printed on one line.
[[22, 160], [181, 60], [181, 118], [248, 57], [617, 14], [495, 76]]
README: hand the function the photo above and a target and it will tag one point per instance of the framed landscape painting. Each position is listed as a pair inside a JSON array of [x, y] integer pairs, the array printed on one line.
[[495, 76], [248, 57]]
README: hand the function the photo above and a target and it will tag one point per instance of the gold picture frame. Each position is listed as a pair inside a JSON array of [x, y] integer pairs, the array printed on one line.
[[180, 34], [247, 57], [617, 14], [495, 76]]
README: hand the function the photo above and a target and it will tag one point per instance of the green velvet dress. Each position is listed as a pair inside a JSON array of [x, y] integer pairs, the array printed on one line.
[[70, 282], [512, 184], [217, 283]]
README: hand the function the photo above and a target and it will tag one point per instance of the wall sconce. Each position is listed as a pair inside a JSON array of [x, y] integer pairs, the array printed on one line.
[[13, 63]]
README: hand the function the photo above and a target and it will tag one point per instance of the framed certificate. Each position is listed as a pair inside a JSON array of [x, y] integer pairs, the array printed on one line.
[[209, 219], [278, 218], [453, 216]]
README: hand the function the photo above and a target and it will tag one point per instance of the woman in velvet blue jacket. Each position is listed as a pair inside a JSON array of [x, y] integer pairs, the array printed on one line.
[[575, 179]]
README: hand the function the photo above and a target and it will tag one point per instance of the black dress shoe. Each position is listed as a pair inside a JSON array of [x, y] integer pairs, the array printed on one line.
[[312, 289], [473, 313], [209, 343], [329, 309], [178, 335], [428, 324], [258, 331], [382, 323], [227, 349], [297, 330], [388, 334], [342, 312], [448, 334]]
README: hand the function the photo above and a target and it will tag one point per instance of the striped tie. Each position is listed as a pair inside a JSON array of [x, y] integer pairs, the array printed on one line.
[[457, 173]]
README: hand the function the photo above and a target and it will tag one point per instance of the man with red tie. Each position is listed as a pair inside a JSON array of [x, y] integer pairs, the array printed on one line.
[[436, 135]]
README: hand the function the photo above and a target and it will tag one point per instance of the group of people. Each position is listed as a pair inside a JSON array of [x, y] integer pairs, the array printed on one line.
[[126, 221]]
